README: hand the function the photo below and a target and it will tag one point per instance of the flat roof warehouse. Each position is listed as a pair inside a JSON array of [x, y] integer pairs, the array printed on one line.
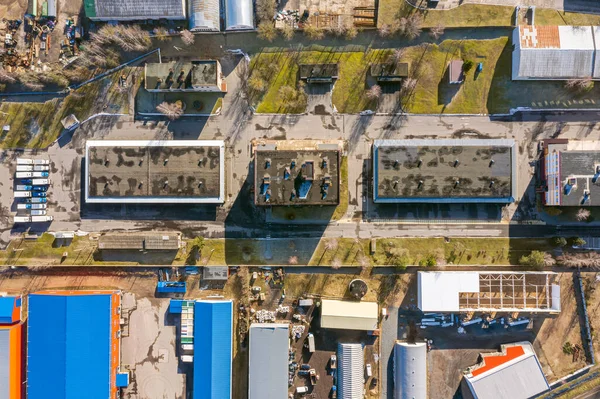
[[149, 171], [444, 171]]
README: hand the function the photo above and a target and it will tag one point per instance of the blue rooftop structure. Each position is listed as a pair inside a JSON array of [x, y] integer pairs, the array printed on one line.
[[213, 328], [9, 309], [69, 346]]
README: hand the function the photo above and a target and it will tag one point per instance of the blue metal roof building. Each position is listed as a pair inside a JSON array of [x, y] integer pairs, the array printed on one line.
[[213, 328], [10, 309], [70, 343]]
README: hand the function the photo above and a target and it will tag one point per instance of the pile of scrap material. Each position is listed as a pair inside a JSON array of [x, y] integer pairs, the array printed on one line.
[[287, 17], [9, 56], [73, 33]]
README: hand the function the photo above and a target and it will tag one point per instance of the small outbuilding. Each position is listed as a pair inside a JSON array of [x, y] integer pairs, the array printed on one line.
[[319, 73], [391, 72], [455, 72], [349, 315]]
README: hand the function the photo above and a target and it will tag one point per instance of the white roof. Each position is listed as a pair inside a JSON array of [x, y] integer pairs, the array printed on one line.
[[239, 14], [439, 291], [351, 365], [555, 52], [268, 363], [410, 370], [349, 315], [521, 377]]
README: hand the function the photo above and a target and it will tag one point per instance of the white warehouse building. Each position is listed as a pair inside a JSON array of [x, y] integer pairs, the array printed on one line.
[[555, 52]]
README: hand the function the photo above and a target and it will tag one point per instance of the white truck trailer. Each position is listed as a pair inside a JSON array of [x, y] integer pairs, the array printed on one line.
[[40, 182], [22, 219], [23, 175], [24, 161], [22, 194], [42, 218], [24, 168]]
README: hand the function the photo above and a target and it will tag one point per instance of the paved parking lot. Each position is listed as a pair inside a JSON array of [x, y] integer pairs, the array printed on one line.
[[150, 351]]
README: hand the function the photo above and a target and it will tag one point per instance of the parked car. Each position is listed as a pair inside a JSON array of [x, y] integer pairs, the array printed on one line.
[[333, 362], [369, 370], [39, 194], [40, 188]]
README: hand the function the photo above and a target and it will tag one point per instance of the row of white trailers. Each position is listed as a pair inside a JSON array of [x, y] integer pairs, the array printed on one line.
[[38, 170]]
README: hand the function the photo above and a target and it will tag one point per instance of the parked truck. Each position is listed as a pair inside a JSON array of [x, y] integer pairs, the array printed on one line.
[[39, 174], [23, 175], [40, 182], [24, 168], [42, 218], [38, 212], [32, 206], [38, 194], [22, 194], [24, 161], [36, 200], [41, 162], [23, 187], [22, 219], [41, 167]]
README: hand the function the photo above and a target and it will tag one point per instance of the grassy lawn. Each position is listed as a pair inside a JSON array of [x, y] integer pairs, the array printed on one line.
[[478, 15], [341, 209], [37, 125]]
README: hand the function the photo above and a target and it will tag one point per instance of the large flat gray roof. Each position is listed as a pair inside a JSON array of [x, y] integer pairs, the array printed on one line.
[[296, 177], [446, 170], [268, 364], [139, 9], [145, 171]]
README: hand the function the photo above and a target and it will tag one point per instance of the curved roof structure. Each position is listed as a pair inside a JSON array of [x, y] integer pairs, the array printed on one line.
[[204, 15], [351, 365], [410, 370], [239, 14]]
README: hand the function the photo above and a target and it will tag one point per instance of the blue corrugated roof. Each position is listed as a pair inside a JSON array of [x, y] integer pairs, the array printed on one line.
[[212, 349], [68, 346], [7, 305], [122, 380]]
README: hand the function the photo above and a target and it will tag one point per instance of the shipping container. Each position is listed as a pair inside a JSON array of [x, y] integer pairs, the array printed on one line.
[[24, 168], [22, 219], [22, 194], [23, 187], [42, 218], [24, 161], [39, 174], [22, 175], [41, 162], [40, 182], [38, 212], [41, 167]]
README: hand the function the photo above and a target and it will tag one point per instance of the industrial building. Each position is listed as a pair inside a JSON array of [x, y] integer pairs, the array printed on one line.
[[141, 242], [349, 315], [134, 10], [204, 15], [73, 344], [536, 292], [184, 76], [11, 353], [350, 374], [444, 171], [410, 370], [307, 175], [555, 52], [213, 346], [239, 14], [148, 171], [268, 364], [515, 372], [569, 171]]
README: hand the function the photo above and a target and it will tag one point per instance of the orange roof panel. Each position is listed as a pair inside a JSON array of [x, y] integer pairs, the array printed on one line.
[[493, 360]]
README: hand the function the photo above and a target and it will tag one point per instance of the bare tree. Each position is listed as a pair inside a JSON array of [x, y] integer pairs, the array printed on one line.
[[436, 32], [385, 30], [331, 244], [266, 31], [408, 86], [265, 10], [374, 93], [187, 37], [397, 55], [257, 83], [336, 264], [287, 32], [6, 77], [364, 263], [578, 259], [350, 33], [161, 34], [579, 85], [582, 215], [313, 33], [410, 26], [171, 110], [293, 260]]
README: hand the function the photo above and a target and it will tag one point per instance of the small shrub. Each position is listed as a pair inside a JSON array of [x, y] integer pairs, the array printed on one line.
[[559, 242], [468, 65]]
